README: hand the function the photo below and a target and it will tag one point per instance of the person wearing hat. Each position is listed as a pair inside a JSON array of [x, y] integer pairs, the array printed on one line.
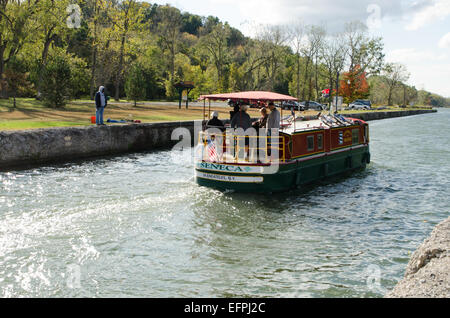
[[274, 118], [215, 122], [101, 101]]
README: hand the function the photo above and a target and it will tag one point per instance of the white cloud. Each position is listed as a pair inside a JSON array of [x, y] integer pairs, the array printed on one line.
[[444, 43], [331, 13], [435, 10], [412, 55]]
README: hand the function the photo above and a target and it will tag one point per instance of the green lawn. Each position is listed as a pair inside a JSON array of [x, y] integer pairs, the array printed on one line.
[[27, 124]]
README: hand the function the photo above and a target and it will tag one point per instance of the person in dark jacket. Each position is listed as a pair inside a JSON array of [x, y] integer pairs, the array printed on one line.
[[241, 119], [215, 122], [100, 103]]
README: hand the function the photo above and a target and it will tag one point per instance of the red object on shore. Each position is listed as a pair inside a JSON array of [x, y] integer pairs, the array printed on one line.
[[93, 120]]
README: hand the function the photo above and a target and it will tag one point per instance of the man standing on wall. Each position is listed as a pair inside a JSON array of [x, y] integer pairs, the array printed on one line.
[[100, 104]]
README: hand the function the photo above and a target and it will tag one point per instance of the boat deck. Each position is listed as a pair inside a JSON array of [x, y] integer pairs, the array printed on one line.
[[290, 127]]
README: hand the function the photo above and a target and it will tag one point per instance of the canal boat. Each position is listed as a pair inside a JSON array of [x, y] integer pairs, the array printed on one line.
[[302, 151]]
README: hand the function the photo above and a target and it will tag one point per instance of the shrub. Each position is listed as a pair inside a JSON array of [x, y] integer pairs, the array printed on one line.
[[56, 84]]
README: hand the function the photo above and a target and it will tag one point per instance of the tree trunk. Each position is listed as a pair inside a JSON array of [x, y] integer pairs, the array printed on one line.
[[298, 75], [119, 70], [93, 68], [3, 90], [331, 91], [306, 77], [317, 77], [391, 88], [48, 41]]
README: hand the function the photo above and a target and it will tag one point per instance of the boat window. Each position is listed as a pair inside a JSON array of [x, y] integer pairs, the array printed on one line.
[[355, 136], [341, 137], [310, 142], [320, 141]]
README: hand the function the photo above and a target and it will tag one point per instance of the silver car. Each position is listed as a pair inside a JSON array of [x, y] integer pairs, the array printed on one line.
[[358, 105]]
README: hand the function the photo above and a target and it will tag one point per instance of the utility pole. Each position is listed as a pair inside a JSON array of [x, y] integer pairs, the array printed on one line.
[[337, 90]]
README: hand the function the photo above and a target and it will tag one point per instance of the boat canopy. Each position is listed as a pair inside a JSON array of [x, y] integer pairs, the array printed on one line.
[[252, 96]]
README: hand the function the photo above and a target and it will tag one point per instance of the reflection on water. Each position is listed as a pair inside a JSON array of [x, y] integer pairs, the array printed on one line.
[[138, 226]]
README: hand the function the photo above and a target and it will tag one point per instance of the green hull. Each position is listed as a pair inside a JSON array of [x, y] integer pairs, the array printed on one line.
[[290, 175]]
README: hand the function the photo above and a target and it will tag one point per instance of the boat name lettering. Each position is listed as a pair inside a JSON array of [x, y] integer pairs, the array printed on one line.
[[220, 167]]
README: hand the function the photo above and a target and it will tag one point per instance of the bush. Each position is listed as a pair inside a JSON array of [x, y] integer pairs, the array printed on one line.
[[56, 84]]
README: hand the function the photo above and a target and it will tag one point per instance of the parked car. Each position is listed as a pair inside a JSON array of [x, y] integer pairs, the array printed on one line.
[[292, 104], [364, 101], [313, 105], [358, 105]]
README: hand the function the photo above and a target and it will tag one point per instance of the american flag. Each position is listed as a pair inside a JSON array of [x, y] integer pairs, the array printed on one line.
[[212, 152]]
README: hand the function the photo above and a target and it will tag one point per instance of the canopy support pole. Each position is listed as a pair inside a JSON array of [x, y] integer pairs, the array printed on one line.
[[204, 109]]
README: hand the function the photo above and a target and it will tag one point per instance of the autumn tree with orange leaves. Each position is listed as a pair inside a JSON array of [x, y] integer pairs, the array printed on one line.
[[354, 85]]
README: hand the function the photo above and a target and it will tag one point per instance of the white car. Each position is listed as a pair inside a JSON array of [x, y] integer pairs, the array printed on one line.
[[358, 105]]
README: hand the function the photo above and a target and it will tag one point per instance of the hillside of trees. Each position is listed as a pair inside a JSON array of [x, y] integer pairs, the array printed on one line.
[[56, 51]]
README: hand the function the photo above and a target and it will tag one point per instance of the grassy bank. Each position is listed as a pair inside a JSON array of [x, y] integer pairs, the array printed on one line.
[[31, 114]]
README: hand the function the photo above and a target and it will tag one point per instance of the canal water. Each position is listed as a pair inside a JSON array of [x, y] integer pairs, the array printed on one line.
[[138, 225]]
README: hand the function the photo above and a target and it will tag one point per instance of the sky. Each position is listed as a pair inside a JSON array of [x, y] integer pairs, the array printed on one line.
[[415, 32]]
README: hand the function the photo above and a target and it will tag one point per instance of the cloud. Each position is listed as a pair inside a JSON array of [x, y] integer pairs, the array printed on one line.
[[249, 14], [412, 55], [428, 12], [325, 12], [444, 43]]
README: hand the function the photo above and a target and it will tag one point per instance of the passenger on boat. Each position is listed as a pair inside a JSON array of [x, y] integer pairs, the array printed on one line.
[[235, 110], [274, 118], [262, 122], [241, 119], [215, 122]]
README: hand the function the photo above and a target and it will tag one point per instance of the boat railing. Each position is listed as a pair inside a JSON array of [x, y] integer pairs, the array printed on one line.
[[233, 148]]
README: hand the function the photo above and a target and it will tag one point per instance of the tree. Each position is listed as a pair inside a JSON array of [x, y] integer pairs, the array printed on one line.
[[272, 40], [354, 85], [135, 84], [191, 23], [334, 52], [127, 19], [56, 84], [51, 20], [365, 54], [297, 33], [394, 74], [16, 78], [215, 44], [312, 45], [15, 28], [169, 36]]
